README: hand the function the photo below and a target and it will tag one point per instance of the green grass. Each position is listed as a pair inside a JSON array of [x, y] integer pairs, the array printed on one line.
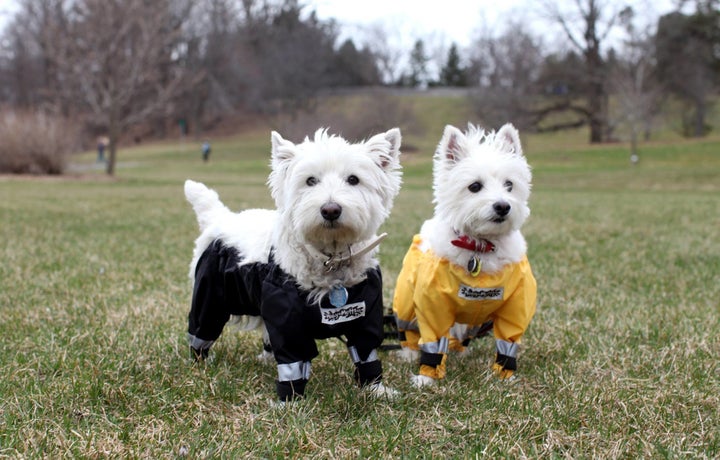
[[621, 360]]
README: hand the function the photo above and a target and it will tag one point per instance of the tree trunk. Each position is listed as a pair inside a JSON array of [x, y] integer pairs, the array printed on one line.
[[596, 130], [700, 118], [112, 148], [597, 107], [113, 137]]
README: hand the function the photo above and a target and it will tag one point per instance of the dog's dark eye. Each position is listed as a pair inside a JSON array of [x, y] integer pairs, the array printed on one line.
[[311, 181], [508, 185], [353, 179], [475, 187]]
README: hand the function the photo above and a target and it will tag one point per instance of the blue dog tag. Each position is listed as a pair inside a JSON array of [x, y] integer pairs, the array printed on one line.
[[338, 296]]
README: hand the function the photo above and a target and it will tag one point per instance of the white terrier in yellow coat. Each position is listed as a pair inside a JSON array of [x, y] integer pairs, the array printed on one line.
[[467, 270]]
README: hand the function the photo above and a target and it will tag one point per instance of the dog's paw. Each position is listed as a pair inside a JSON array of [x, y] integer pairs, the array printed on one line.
[[379, 390], [278, 404], [503, 374], [407, 355], [420, 381], [265, 357], [199, 355], [462, 353]]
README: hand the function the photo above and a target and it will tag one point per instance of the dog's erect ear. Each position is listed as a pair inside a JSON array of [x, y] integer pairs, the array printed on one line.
[[282, 150], [385, 156], [510, 138], [452, 146]]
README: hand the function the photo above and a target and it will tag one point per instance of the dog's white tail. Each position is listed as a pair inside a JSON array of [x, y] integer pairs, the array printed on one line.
[[205, 202]]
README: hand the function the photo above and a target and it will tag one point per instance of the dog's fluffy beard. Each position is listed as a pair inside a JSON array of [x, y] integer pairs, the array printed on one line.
[[306, 177], [481, 187]]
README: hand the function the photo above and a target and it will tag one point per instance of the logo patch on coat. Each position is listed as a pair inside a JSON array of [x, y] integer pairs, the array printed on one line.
[[343, 314], [472, 293]]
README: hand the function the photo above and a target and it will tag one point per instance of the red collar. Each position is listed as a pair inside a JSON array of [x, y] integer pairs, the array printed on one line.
[[465, 242]]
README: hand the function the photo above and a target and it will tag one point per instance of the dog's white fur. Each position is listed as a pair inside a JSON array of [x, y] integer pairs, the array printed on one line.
[[493, 159], [302, 239]]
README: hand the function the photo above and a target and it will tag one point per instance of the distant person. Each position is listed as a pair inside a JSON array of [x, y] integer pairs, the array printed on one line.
[[101, 144], [206, 151]]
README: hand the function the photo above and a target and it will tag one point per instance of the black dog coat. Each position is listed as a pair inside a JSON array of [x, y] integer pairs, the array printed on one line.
[[223, 287]]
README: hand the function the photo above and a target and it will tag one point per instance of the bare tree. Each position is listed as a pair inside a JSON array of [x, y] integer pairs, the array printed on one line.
[[213, 51], [28, 72], [123, 63], [505, 71], [290, 55], [388, 56], [634, 81], [587, 26], [21, 82], [121, 59]]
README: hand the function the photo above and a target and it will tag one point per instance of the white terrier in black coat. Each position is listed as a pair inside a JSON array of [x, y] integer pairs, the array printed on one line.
[[306, 270]]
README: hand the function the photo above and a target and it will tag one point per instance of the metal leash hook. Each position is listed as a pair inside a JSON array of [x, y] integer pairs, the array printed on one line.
[[333, 262]]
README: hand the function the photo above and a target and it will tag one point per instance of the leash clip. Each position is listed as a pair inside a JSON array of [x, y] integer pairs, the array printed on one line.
[[333, 262]]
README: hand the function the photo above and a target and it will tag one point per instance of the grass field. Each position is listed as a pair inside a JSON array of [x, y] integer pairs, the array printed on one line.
[[621, 360]]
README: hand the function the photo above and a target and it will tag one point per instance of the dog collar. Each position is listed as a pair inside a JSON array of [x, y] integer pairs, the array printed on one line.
[[474, 265], [482, 245], [334, 261]]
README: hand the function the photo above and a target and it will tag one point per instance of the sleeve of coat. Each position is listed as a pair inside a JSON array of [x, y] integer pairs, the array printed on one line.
[[403, 298], [513, 318]]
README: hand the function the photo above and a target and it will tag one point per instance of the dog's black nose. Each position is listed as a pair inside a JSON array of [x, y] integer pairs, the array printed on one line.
[[331, 211], [502, 208]]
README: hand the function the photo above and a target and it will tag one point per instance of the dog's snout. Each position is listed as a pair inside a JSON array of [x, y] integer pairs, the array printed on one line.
[[331, 211], [502, 208]]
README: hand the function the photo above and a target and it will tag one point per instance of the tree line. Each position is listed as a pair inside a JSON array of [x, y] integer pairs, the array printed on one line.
[[117, 64]]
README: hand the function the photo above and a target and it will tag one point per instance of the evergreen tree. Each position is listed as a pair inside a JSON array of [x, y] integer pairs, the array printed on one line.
[[453, 74], [687, 62], [418, 66]]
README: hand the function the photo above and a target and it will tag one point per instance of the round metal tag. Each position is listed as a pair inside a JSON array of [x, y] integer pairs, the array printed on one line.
[[338, 296], [474, 266]]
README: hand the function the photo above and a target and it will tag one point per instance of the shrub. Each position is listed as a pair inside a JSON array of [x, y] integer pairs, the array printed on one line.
[[35, 143]]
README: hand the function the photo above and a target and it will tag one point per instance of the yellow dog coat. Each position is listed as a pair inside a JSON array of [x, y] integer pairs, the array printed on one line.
[[432, 294]]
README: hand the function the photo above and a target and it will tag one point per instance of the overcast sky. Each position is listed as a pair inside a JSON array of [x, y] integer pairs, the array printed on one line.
[[458, 21], [436, 21], [6, 8], [453, 20]]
